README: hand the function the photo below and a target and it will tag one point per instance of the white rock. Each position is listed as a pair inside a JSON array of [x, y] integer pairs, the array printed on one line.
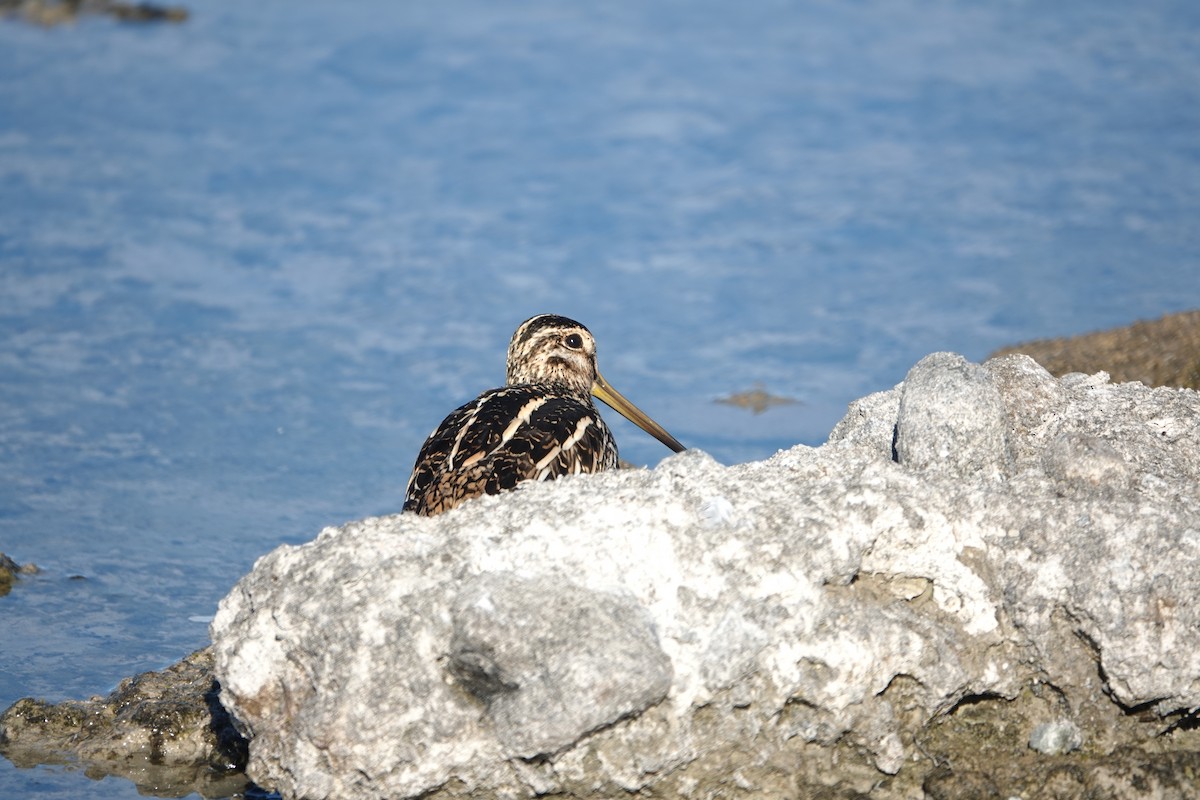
[[606, 633]]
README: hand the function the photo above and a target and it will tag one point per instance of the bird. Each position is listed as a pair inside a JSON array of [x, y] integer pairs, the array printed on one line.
[[541, 425]]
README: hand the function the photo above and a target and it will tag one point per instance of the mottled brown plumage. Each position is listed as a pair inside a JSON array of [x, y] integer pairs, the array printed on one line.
[[543, 424]]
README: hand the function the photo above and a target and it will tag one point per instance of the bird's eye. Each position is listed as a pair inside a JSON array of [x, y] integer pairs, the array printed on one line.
[[574, 341]]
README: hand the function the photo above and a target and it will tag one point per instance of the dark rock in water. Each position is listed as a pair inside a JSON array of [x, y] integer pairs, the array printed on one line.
[[758, 400], [10, 571], [165, 731], [56, 12], [1161, 352]]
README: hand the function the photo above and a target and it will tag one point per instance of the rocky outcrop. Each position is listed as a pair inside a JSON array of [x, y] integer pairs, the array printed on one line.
[[165, 731], [982, 583]]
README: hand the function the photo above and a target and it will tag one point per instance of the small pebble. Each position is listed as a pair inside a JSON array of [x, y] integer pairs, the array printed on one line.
[[1056, 738]]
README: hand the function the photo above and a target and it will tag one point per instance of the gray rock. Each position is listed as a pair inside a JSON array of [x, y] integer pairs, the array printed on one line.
[[870, 422], [980, 536], [553, 661], [951, 419]]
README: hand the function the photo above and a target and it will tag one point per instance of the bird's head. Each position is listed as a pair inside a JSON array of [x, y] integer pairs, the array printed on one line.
[[553, 350]]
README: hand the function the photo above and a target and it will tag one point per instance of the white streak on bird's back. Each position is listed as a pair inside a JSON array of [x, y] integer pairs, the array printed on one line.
[[522, 418]]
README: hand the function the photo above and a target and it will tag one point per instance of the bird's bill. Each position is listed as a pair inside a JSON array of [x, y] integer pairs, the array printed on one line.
[[617, 402]]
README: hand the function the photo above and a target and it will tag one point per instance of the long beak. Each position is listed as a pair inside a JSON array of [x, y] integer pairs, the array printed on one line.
[[629, 411]]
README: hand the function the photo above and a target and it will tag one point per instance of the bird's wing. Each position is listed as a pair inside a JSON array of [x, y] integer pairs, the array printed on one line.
[[503, 437]]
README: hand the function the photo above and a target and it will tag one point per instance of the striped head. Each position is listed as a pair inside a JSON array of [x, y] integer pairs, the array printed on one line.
[[554, 350]]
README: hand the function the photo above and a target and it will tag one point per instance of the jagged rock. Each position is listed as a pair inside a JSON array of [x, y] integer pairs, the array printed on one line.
[[165, 731], [981, 551]]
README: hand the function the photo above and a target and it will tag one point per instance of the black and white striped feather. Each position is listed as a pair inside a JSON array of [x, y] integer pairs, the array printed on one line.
[[504, 437]]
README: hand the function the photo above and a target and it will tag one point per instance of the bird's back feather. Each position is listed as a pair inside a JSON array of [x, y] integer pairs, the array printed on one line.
[[503, 437]]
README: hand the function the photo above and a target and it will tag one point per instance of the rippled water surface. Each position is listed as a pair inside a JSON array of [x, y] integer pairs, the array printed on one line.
[[248, 262]]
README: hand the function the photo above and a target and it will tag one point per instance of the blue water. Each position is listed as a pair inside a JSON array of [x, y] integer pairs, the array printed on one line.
[[247, 263]]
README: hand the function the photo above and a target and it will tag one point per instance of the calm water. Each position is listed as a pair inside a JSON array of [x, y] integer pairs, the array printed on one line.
[[247, 263]]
